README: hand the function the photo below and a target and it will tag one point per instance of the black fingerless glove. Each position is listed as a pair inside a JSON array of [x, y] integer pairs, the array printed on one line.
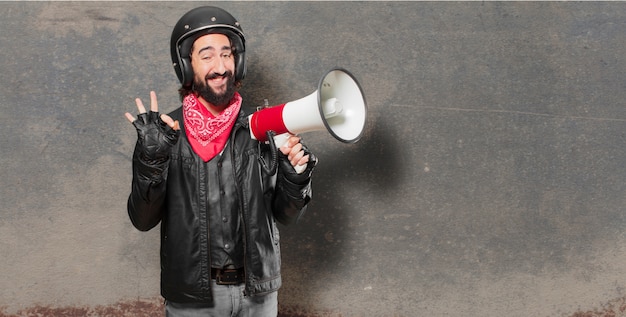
[[290, 173], [154, 138]]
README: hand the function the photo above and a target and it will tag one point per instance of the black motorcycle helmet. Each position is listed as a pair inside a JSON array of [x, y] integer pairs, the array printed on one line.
[[202, 21]]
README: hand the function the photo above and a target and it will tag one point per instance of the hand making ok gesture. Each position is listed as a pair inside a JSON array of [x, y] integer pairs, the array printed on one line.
[[155, 134]]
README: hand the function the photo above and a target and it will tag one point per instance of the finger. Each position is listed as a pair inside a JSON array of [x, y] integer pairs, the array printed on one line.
[[170, 122], [140, 106], [296, 158], [154, 107], [295, 150], [293, 140], [286, 147], [130, 117], [304, 160]]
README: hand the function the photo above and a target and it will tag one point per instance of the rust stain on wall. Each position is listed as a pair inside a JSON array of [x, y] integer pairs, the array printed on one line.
[[135, 308], [155, 307], [614, 308], [286, 311]]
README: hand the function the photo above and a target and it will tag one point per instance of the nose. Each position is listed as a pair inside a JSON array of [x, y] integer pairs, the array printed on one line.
[[220, 67]]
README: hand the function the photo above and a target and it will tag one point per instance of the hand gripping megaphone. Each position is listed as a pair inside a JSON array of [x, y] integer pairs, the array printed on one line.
[[338, 106]]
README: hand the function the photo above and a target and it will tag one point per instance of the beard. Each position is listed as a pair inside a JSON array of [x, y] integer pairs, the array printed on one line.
[[214, 98]]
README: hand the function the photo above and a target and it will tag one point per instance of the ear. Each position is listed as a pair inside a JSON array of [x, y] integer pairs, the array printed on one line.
[[240, 66], [187, 71]]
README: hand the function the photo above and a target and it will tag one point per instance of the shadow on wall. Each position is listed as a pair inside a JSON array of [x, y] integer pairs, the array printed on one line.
[[322, 246], [348, 175]]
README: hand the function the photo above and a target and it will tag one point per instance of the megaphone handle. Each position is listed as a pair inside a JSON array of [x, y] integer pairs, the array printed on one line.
[[280, 140], [299, 168]]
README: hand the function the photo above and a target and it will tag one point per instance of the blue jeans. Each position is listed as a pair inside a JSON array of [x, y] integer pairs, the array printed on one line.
[[229, 301]]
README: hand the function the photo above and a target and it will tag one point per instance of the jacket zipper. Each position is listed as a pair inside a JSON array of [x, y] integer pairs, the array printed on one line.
[[207, 222], [242, 215]]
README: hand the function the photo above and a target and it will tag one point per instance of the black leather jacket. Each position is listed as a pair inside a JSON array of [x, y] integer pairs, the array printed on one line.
[[174, 193]]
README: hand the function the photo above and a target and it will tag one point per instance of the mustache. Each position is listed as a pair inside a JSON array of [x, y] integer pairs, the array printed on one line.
[[226, 74]]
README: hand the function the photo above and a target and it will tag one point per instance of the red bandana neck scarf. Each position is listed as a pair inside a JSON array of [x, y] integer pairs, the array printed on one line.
[[207, 133]]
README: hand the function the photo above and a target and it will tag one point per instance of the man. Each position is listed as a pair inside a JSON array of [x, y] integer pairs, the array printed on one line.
[[198, 172]]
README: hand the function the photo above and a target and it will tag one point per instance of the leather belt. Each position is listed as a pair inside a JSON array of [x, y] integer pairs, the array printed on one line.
[[228, 276]]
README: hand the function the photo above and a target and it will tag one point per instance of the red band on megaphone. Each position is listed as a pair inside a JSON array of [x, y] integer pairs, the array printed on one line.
[[268, 119]]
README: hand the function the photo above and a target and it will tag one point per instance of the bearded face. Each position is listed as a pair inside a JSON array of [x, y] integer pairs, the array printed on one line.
[[217, 98], [213, 64]]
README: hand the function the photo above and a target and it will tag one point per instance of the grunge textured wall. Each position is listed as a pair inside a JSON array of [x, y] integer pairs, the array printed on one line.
[[489, 180]]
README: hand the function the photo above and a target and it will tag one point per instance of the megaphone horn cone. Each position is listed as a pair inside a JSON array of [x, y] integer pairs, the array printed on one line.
[[338, 106], [342, 103]]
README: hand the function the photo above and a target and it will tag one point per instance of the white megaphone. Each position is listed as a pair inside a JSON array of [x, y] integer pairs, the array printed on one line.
[[338, 106]]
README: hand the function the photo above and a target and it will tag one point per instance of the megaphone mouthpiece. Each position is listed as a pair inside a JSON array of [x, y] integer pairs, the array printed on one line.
[[331, 107]]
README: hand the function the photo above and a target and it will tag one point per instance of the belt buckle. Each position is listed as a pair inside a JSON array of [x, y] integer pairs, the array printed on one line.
[[227, 277]]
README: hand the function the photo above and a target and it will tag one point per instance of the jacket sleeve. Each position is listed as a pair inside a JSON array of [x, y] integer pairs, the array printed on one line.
[[146, 200], [293, 190], [150, 165]]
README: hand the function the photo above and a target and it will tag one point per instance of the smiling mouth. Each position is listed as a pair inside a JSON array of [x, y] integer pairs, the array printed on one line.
[[217, 78], [218, 85], [216, 75]]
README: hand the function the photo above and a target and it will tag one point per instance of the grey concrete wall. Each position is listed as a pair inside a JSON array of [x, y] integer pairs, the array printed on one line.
[[489, 181]]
